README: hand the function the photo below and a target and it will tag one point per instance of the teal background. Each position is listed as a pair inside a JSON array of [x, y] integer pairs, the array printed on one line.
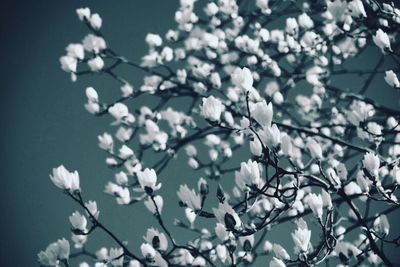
[[44, 123]]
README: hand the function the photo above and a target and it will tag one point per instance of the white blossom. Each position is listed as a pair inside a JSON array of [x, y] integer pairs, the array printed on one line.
[[64, 179], [212, 108]]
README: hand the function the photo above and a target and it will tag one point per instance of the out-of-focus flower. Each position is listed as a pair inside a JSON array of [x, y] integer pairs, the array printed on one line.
[[92, 207], [58, 250], [212, 108], [356, 8], [242, 78], [153, 40], [314, 148], [371, 163], [106, 141], [381, 225], [381, 40], [116, 257], [148, 251], [391, 79], [95, 21], [119, 111], [78, 221], [315, 203], [83, 13], [68, 63], [96, 64], [275, 262], [64, 179], [280, 252]]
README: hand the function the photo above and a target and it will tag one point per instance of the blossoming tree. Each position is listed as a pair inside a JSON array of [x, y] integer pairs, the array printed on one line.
[[258, 83]]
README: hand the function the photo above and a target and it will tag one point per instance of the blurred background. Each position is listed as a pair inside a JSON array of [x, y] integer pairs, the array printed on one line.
[[44, 123]]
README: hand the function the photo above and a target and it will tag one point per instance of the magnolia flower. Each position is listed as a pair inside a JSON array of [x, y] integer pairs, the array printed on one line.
[[249, 174], [275, 262], [75, 51], [286, 145], [83, 13], [94, 43], [55, 251], [147, 180], [157, 239], [119, 111], [189, 197], [314, 148], [391, 79], [226, 215], [256, 147], [96, 64], [91, 94], [95, 21], [381, 225], [116, 254], [271, 136], [302, 236], [381, 40], [125, 152], [64, 179], [92, 207], [242, 78], [126, 89], [153, 40], [371, 163], [305, 21], [212, 108], [68, 63], [357, 8], [78, 221], [280, 252], [148, 251], [262, 113], [190, 216], [315, 203], [153, 208], [106, 141]]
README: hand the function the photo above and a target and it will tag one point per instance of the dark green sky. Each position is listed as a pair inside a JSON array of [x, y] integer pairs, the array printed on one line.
[[44, 123]]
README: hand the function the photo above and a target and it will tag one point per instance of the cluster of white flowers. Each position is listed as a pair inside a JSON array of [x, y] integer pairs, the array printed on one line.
[[250, 97]]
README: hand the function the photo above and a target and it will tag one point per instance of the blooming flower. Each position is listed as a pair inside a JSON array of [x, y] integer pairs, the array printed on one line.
[[226, 215], [212, 108], [302, 236], [148, 180], [262, 113], [96, 64], [95, 21], [371, 163], [242, 78], [153, 208], [314, 148], [381, 40], [315, 203], [78, 221], [58, 250], [391, 79], [148, 251], [249, 174], [157, 239], [189, 197], [64, 179]]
